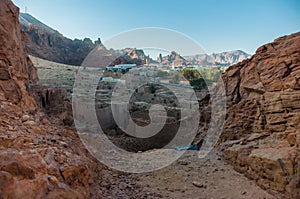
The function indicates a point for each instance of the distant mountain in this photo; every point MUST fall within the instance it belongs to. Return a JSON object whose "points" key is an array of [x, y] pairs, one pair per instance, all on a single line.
{"points": [[132, 55], [49, 44], [173, 59], [215, 59], [101, 57], [218, 59], [46, 43]]}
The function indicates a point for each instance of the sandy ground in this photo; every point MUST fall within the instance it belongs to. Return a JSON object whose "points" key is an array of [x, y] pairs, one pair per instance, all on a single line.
{"points": [[191, 177]]}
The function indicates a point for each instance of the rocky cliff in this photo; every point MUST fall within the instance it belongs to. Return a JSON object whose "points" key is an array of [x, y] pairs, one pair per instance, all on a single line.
{"points": [[47, 43], [263, 116], [16, 69], [40, 158]]}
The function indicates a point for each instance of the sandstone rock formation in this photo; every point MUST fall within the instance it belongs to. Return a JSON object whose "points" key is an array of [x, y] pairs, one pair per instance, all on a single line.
{"points": [[54, 102], [130, 56], [101, 57], [159, 58], [173, 59], [37, 158], [16, 69], [47, 43], [218, 59], [263, 98]]}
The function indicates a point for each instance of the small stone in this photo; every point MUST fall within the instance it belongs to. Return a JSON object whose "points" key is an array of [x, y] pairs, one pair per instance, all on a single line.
{"points": [[182, 162], [53, 180], [25, 118], [198, 184], [30, 123], [122, 186], [12, 128]]}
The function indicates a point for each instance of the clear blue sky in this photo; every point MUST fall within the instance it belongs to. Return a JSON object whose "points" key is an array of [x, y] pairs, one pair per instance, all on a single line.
{"points": [[218, 25]]}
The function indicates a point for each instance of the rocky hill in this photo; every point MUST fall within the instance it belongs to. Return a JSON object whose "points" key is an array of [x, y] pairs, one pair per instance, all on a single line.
{"points": [[262, 125], [218, 59], [132, 55], [215, 59], [174, 59], [101, 57], [47, 43]]}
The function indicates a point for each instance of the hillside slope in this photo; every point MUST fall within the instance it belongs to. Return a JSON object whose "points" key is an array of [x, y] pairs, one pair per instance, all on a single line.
{"points": [[47, 43]]}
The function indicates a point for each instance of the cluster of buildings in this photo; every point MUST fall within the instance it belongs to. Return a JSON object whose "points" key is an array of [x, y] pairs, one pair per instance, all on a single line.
{"points": [[120, 67]]}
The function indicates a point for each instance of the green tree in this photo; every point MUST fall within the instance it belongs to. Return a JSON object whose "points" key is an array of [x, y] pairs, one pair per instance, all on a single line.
{"points": [[191, 74], [199, 84]]}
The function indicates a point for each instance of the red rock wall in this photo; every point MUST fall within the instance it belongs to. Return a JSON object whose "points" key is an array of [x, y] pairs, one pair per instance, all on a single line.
{"points": [[263, 98], [16, 69], [38, 157]]}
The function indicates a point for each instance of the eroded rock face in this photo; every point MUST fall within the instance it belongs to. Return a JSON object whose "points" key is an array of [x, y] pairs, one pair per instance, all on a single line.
{"points": [[40, 158], [54, 102], [37, 155], [263, 98], [16, 69], [46, 43]]}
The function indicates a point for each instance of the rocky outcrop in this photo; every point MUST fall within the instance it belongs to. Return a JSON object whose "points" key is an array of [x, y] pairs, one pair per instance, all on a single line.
{"points": [[16, 69], [218, 59], [159, 58], [130, 56], [54, 102], [263, 98], [39, 158], [173, 59], [47, 43], [101, 57]]}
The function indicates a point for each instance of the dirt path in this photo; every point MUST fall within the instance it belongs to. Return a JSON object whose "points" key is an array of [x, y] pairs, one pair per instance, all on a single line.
{"points": [[191, 177]]}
